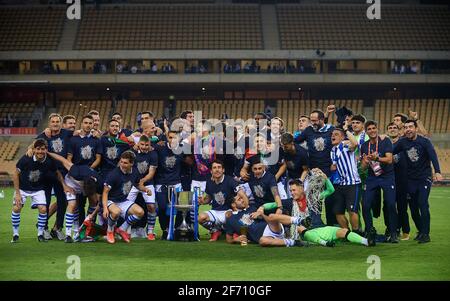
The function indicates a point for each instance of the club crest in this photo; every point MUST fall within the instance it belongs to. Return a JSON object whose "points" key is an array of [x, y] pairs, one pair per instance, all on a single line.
{"points": [[34, 176], [57, 145], [319, 144], [413, 154], [126, 188], [259, 191], [246, 220], [170, 162], [219, 198], [112, 152], [86, 152], [142, 167]]}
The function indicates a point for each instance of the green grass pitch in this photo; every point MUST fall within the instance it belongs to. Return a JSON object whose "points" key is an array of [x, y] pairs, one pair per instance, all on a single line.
{"points": [[163, 260]]}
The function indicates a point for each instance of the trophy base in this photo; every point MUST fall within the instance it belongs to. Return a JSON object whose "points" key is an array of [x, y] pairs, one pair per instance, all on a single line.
{"points": [[183, 235]]}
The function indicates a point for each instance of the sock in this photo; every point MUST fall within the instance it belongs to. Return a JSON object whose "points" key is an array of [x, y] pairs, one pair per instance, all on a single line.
{"points": [[131, 219], [76, 222], [289, 242], [354, 238], [15, 220], [42, 220], [111, 224], [208, 225], [69, 223], [151, 221], [296, 220]]}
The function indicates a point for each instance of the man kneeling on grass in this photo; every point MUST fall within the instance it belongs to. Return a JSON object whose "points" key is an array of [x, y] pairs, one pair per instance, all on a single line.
{"points": [[247, 224]]}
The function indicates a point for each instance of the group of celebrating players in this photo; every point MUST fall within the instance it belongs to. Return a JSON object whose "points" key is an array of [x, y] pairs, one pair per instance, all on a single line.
{"points": [[255, 175]]}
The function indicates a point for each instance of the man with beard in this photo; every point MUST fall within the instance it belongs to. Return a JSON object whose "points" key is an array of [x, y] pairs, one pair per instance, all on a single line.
{"points": [[318, 140], [420, 154]]}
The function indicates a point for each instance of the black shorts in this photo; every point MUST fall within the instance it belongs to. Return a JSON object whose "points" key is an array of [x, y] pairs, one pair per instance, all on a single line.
{"points": [[346, 197]]}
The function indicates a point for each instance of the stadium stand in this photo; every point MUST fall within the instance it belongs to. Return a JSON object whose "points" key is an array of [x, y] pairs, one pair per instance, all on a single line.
{"points": [[444, 161], [432, 112], [129, 109], [290, 110], [8, 150], [13, 111], [31, 28], [346, 27], [236, 109], [171, 27], [79, 108]]}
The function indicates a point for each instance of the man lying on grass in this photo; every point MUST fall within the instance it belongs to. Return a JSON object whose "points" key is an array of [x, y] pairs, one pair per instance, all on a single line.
{"points": [[247, 224]]}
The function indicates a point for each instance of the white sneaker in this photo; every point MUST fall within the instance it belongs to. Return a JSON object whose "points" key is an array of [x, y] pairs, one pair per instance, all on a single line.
{"points": [[60, 235], [47, 235]]}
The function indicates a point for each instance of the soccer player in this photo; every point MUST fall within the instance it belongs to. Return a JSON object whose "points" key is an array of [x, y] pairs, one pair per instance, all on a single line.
{"points": [[29, 182], [58, 142], [263, 186], [346, 195], [168, 174], [85, 149], [295, 157], [146, 164], [420, 154], [377, 157], [318, 140], [79, 180], [112, 148], [401, 184], [220, 192], [118, 185], [117, 116], [271, 158], [303, 123], [69, 123], [245, 225], [96, 130], [328, 236]]}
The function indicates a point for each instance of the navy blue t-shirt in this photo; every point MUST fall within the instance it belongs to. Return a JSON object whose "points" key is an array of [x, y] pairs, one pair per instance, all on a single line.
{"points": [[121, 184], [295, 162], [111, 152], [242, 219], [143, 162], [32, 172], [262, 189], [319, 147], [418, 154], [384, 146], [169, 166], [400, 165], [84, 149], [126, 132], [221, 194], [58, 144], [80, 172], [271, 160]]}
